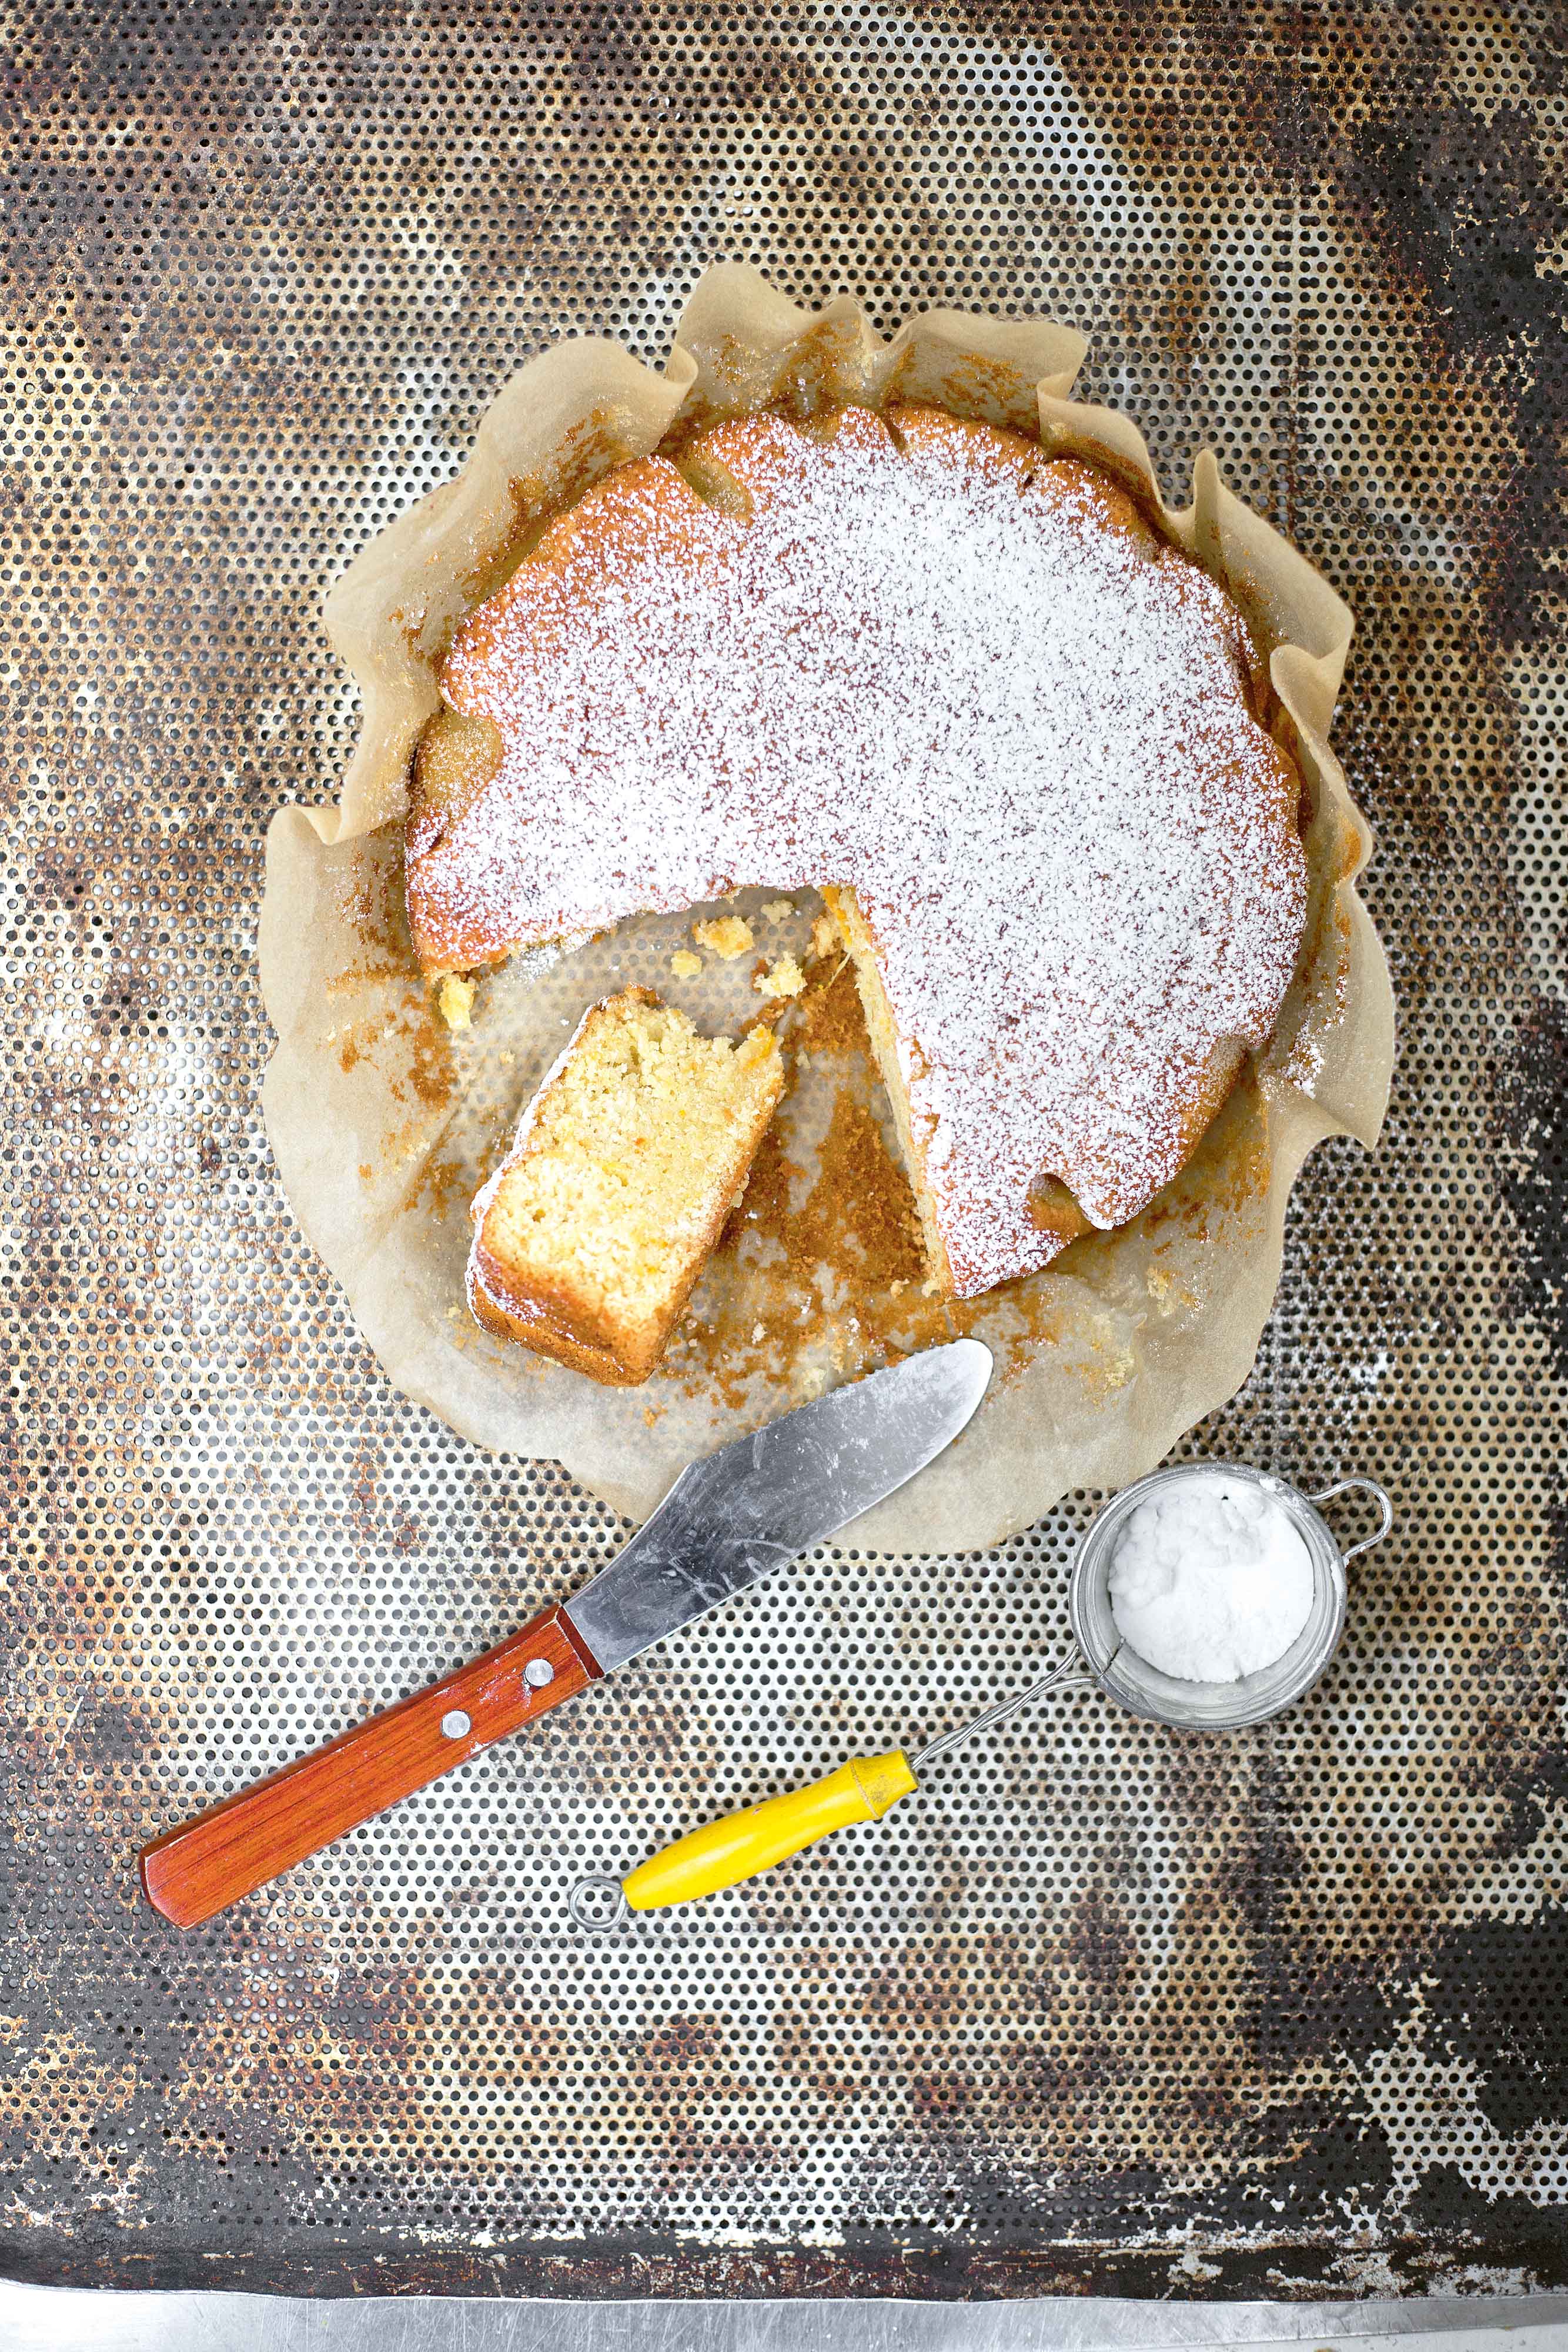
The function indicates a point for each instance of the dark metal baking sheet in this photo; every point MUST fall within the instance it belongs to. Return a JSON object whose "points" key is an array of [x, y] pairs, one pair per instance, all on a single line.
{"points": [[1113, 2012]]}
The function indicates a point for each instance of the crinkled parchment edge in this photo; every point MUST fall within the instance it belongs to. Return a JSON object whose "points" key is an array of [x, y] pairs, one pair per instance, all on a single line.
{"points": [[565, 418]]}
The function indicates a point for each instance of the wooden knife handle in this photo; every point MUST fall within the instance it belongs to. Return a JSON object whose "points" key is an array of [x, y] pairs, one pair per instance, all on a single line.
{"points": [[192, 1871]]}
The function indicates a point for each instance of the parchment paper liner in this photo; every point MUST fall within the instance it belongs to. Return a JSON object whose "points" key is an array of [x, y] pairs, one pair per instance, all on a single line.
{"points": [[383, 1122]]}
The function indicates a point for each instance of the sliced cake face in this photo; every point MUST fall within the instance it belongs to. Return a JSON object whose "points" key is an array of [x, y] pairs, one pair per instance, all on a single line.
{"points": [[589, 1235], [974, 691]]}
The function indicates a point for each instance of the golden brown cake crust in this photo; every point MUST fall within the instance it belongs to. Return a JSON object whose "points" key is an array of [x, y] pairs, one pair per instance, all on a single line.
{"points": [[547, 1336], [970, 688]]}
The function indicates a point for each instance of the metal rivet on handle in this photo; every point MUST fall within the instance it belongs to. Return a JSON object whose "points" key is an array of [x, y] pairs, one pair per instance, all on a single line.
{"points": [[456, 1726], [538, 1672]]}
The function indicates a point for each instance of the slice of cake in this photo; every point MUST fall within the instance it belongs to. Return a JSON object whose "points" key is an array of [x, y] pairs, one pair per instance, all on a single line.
{"points": [[589, 1235]]}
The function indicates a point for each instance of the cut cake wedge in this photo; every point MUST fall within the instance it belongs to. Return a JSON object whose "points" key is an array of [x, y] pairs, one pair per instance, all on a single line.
{"points": [[589, 1237]]}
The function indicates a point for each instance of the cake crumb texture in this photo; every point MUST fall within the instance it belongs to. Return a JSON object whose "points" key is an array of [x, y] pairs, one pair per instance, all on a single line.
{"points": [[588, 1237], [726, 936], [783, 977], [454, 1001], [825, 937]]}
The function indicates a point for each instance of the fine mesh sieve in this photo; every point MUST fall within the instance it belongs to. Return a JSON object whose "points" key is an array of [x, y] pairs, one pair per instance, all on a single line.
{"points": [[1134, 1683]]}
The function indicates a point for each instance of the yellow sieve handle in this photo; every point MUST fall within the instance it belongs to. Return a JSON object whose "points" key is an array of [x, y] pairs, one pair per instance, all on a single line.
{"points": [[743, 1845]]}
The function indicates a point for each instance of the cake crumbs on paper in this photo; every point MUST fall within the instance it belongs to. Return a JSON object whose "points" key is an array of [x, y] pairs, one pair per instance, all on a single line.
{"points": [[783, 978], [1112, 1359], [1163, 1284], [758, 1333], [778, 910], [726, 936], [684, 965], [454, 1001], [824, 936]]}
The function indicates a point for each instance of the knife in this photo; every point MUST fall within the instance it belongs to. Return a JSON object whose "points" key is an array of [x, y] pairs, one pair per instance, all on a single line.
{"points": [[726, 1520]]}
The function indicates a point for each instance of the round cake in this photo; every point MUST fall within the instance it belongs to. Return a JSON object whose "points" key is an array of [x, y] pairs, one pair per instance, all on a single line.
{"points": [[1020, 739]]}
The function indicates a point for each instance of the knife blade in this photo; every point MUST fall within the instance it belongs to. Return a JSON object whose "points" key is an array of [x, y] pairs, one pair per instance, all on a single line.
{"points": [[764, 1500], [727, 1520]]}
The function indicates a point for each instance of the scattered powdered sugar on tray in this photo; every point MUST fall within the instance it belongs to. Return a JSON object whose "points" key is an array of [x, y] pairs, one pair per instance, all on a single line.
{"points": [[966, 681]]}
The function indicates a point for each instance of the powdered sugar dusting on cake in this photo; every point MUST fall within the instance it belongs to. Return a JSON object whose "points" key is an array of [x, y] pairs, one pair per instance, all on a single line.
{"points": [[965, 682]]}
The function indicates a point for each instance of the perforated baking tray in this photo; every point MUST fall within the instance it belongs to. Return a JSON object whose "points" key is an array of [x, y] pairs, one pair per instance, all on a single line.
{"points": [[1112, 2010]]}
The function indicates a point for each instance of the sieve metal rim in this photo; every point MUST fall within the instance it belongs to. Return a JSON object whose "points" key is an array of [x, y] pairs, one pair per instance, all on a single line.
{"points": [[1259, 1698]]}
